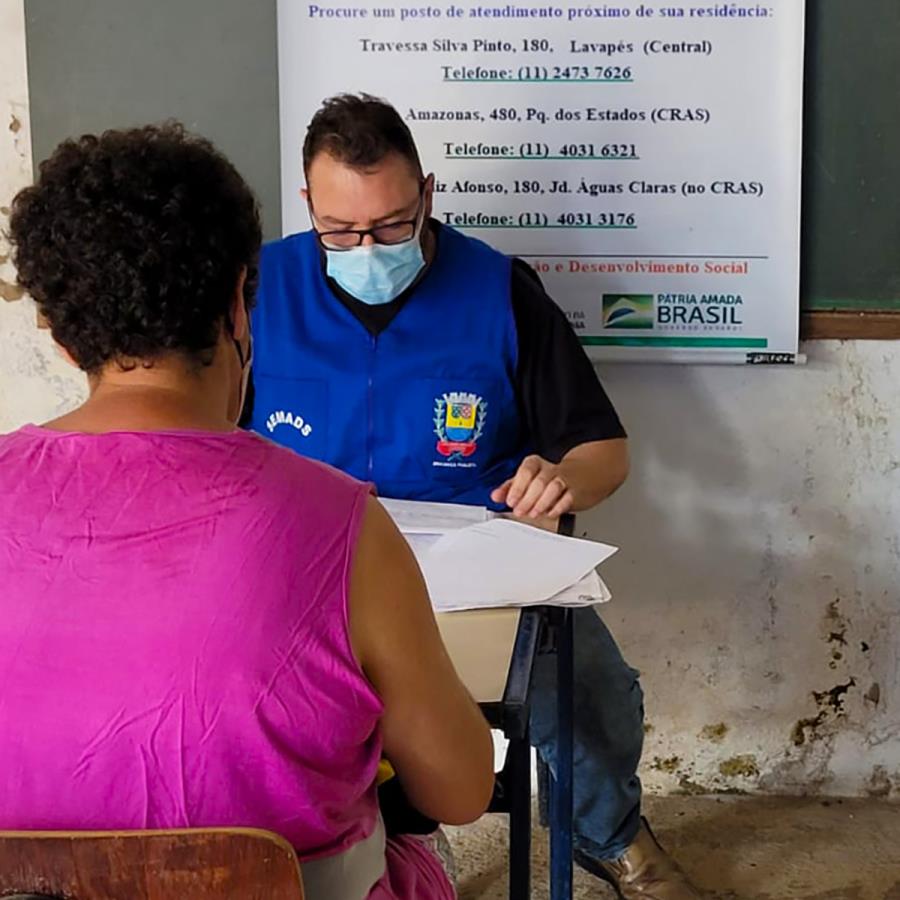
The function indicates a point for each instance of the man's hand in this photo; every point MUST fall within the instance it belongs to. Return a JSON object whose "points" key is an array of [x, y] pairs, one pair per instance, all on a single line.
{"points": [[539, 488], [586, 475]]}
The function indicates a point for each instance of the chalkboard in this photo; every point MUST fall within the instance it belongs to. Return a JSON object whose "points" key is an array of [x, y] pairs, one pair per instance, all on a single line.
{"points": [[96, 64], [851, 181], [212, 64]]}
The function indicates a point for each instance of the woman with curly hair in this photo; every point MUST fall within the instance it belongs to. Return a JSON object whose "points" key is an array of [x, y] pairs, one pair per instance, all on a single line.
{"points": [[192, 618]]}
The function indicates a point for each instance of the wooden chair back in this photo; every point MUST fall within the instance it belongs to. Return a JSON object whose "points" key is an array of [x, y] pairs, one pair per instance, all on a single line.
{"points": [[195, 864]]}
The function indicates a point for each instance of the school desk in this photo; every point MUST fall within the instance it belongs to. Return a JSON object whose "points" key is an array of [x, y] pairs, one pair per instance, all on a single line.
{"points": [[494, 651]]}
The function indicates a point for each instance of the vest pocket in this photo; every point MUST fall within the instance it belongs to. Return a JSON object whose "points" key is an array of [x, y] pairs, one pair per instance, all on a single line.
{"points": [[292, 412]]}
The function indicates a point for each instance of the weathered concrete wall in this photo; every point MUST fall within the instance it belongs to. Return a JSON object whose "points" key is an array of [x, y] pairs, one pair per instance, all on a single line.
{"points": [[35, 383], [759, 584]]}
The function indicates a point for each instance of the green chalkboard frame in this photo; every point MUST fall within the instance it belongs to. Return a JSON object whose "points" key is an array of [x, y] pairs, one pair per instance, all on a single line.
{"points": [[133, 66], [850, 257]]}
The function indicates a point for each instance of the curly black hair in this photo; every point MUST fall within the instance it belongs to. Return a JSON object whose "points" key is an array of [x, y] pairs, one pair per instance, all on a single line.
{"points": [[132, 242]]}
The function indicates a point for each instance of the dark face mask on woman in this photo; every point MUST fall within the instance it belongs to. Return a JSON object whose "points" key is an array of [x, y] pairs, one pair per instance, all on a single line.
{"points": [[245, 364]]}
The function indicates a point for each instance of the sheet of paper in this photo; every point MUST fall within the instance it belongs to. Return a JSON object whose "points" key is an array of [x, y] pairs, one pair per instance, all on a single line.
{"points": [[421, 544], [504, 563], [416, 517], [587, 592]]}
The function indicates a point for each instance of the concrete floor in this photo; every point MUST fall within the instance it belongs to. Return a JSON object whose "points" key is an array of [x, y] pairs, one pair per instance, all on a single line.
{"points": [[739, 847]]}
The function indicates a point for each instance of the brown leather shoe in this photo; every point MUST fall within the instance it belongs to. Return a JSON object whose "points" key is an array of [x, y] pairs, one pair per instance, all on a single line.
{"points": [[643, 872]]}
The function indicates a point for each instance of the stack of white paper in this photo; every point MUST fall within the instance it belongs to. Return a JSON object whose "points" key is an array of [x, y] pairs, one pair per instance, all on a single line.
{"points": [[417, 517], [472, 561]]}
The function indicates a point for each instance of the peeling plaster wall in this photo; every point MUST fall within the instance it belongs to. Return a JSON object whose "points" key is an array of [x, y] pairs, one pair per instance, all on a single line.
{"points": [[35, 383], [759, 584]]}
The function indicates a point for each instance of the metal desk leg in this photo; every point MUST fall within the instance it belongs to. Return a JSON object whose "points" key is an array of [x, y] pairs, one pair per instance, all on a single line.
{"points": [[512, 715], [561, 787], [519, 762]]}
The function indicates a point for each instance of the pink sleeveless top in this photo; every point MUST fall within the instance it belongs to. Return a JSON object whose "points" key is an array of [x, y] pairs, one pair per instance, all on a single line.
{"points": [[174, 646]]}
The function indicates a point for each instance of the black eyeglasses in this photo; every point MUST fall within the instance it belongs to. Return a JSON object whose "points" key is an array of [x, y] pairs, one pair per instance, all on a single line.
{"points": [[392, 233]]}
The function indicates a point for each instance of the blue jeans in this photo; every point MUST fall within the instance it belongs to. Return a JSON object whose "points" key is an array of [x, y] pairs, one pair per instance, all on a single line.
{"points": [[609, 737]]}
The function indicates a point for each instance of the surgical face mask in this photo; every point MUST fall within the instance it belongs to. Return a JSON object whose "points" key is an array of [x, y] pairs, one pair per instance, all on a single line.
{"points": [[378, 273]]}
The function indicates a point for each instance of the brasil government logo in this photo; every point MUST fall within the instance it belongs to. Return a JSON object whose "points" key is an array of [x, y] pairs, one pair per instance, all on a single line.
{"points": [[628, 310], [458, 423]]}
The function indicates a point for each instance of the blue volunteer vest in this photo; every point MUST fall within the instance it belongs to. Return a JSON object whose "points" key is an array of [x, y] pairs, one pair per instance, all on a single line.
{"points": [[427, 409]]}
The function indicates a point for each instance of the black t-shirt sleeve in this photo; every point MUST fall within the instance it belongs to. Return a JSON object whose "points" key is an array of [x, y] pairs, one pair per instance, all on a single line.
{"points": [[561, 400]]}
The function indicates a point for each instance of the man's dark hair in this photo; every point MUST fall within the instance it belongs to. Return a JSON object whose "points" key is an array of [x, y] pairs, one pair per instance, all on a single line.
{"points": [[132, 244], [359, 131]]}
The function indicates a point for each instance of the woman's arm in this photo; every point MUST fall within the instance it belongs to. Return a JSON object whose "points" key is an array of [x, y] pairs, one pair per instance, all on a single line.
{"points": [[434, 734]]}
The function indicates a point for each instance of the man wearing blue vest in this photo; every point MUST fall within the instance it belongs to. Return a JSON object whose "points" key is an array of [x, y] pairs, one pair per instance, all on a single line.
{"points": [[417, 358]]}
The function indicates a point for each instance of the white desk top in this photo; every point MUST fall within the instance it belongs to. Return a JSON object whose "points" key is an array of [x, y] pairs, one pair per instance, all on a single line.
{"points": [[480, 643]]}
